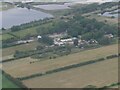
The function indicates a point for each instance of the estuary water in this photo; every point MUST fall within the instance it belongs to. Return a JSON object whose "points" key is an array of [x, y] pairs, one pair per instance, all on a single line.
{"points": [[17, 16]]}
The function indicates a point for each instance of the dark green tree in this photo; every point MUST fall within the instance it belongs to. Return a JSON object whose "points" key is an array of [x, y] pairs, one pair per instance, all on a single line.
{"points": [[46, 40]]}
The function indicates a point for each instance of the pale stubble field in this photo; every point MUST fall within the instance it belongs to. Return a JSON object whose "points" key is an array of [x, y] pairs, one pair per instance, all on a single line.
{"points": [[98, 74], [22, 67]]}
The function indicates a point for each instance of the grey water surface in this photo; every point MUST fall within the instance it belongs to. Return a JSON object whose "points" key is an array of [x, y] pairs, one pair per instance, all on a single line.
{"points": [[17, 16]]}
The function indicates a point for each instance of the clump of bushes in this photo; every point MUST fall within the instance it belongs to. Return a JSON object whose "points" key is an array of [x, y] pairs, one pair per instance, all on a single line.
{"points": [[112, 56]]}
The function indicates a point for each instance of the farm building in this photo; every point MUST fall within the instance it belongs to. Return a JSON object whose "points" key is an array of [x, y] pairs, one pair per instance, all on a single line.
{"points": [[59, 41]]}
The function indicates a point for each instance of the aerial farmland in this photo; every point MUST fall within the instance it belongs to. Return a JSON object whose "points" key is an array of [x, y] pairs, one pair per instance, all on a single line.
{"points": [[66, 44]]}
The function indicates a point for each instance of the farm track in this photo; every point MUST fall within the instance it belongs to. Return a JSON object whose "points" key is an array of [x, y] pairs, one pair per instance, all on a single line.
{"points": [[68, 67]]}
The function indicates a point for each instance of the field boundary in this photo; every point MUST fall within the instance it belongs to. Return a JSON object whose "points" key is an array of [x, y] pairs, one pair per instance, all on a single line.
{"points": [[28, 55], [68, 67]]}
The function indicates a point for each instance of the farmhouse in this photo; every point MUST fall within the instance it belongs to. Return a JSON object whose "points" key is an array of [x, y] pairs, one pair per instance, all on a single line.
{"points": [[24, 41], [82, 43], [27, 1], [58, 35], [109, 36], [39, 37], [58, 41], [93, 41]]}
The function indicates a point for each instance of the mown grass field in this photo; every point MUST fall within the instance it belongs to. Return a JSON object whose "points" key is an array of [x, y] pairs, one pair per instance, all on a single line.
{"points": [[98, 74], [22, 67]]}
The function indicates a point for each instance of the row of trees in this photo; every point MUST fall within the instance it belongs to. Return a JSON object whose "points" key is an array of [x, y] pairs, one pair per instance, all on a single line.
{"points": [[29, 25], [42, 52]]}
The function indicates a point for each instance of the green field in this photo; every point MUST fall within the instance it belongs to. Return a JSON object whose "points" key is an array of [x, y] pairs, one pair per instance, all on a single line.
{"points": [[5, 6], [6, 83], [9, 82], [25, 32], [5, 36], [24, 47]]}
